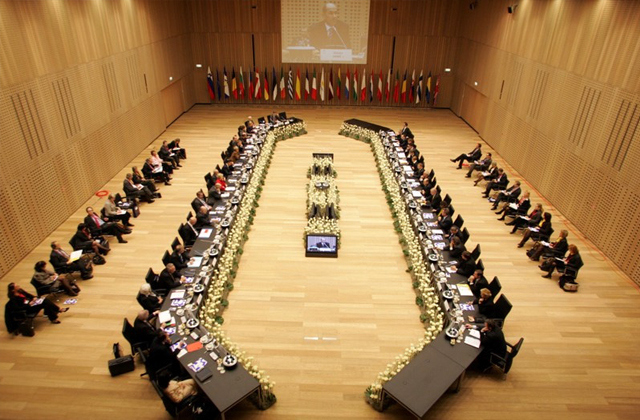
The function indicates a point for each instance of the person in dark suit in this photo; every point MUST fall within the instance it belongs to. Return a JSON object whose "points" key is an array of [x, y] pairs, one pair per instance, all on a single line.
{"points": [[500, 182], [573, 261], [477, 282], [227, 169], [98, 226], [475, 154], [454, 232], [149, 300], [82, 239], [215, 195], [179, 258], [492, 340], [486, 307], [456, 248], [330, 33], [488, 175], [200, 201], [521, 207], [175, 146], [139, 191], [540, 232], [168, 279], [480, 165], [188, 232], [143, 329], [466, 266], [203, 220], [59, 259], [161, 356], [22, 301], [556, 249], [139, 178], [444, 221], [274, 117], [510, 194], [406, 131], [168, 155], [152, 171], [533, 219]]}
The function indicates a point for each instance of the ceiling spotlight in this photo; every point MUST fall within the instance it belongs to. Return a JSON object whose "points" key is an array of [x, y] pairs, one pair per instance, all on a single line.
{"points": [[198, 66], [473, 4], [447, 70], [512, 9], [170, 78], [475, 83]]}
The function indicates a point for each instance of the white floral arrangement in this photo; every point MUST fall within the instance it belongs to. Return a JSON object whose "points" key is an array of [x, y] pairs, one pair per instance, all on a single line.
{"points": [[323, 198], [225, 272], [426, 296]]}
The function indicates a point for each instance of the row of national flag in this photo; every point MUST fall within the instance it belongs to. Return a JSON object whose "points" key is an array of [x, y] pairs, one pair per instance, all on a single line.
{"points": [[364, 87]]}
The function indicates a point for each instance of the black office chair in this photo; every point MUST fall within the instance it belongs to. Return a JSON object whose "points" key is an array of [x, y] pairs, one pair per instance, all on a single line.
{"points": [[137, 346], [495, 286], [480, 265], [175, 243], [431, 174], [451, 211], [46, 289], [465, 235], [189, 215], [180, 233], [151, 276], [502, 307], [19, 321], [176, 410], [437, 186], [447, 199], [475, 254], [166, 258], [459, 221], [505, 363]]}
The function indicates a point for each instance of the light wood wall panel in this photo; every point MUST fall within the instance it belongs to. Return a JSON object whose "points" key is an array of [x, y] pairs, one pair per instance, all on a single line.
{"points": [[80, 96], [558, 97]]}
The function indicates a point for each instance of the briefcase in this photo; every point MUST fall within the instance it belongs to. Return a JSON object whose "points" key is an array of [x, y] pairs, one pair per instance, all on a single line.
{"points": [[121, 365], [135, 210]]}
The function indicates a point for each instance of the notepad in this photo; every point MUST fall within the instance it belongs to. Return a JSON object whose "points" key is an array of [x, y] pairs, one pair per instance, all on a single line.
{"points": [[194, 262], [464, 290], [205, 233], [416, 194], [474, 333], [164, 317], [177, 294], [473, 342], [75, 255]]}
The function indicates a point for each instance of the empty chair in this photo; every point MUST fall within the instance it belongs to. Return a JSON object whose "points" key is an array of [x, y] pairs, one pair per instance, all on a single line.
{"points": [[465, 235], [459, 220], [504, 363], [495, 286], [475, 254], [175, 243], [447, 199], [480, 265], [166, 258], [502, 307]]}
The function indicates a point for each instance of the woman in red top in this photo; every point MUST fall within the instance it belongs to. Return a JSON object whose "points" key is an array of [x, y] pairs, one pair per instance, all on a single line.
{"points": [[20, 300], [220, 181]]}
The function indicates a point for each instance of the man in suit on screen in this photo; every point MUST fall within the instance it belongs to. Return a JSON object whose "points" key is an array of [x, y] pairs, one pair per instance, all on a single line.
{"points": [[330, 33]]}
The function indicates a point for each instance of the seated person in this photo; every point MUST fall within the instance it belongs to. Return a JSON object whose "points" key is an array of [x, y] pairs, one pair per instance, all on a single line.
{"points": [[479, 165], [215, 195], [21, 301], [235, 154], [475, 154], [508, 195], [115, 213], [486, 307], [138, 178], [556, 249], [221, 181], [456, 248], [98, 226], [189, 233], [466, 266], [200, 201], [167, 155], [533, 219], [136, 191], [179, 258], [540, 232], [161, 356], [59, 259], [158, 162], [274, 117], [573, 261], [521, 207], [49, 278], [149, 300], [444, 221], [227, 170], [143, 329], [453, 232], [83, 240], [155, 171], [176, 390], [203, 220], [174, 145], [500, 182], [488, 175], [492, 340], [434, 199], [477, 282], [169, 278]]}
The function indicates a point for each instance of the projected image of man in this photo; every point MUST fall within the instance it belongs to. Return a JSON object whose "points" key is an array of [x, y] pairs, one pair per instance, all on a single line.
{"points": [[330, 33]]}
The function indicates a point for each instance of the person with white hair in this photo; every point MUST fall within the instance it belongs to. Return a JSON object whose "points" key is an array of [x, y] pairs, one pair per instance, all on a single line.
{"points": [[149, 300]]}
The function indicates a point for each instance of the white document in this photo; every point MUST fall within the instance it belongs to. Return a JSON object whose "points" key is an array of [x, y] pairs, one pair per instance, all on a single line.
{"points": [[194, 262], [177, 294], [473, 342], [474, 333], [437, 232], [545, 243], [164, 317], [513, 206], [416, 194], [230, 189], [205, 233], [75, 255], [464, 290]]}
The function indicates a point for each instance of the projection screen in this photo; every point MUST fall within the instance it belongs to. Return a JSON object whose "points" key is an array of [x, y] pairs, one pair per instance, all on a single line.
{"points": [[320, 31]]}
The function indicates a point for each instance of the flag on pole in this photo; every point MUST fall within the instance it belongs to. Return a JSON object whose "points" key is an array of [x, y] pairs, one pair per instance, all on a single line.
{"points": [[379, 94], [371, 87], [331, 84], [404, 87], [226, 84], [413, 85], [355, 85], [419, 89], [346, 85], [314, 88], [339, 85], [363, 86], [234, 84], [212, 94], [396, 88], [322, 85], [258, 87], [428, 90], [306, 85], [241, 85], [388, 89], [298, 95], [290, 83], [266, 85], [283, 93], [218, 84], [251, 87], [436, 91], [274, 82]]}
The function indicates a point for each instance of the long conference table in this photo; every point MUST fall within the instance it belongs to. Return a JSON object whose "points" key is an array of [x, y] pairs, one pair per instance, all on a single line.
{"points": [[224, 388], [441, 365]]}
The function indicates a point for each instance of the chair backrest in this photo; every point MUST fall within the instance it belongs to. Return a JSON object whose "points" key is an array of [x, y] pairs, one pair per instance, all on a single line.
{"points": [[495, 286], [261, 120], [189, 215], [447, 199], [480, 265], [175, 243], [437, 186], [459, 220], [151, 276], [41, 289], [503, 306], [118, 198], [181, 233], [512, 355], [475, 254], [465, 235], [102, 213], [431, 174], [166, 258]]}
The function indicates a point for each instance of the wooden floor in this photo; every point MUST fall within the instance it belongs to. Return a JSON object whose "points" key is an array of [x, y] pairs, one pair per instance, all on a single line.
{"points": [[323, 328]]}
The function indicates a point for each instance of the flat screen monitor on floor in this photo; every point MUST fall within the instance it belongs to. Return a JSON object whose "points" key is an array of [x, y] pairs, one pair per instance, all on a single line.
{"points": [[322, 245]]}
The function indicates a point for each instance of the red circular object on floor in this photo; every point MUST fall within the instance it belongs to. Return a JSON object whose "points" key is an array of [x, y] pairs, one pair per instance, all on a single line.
{"points": [[102, 193]]}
